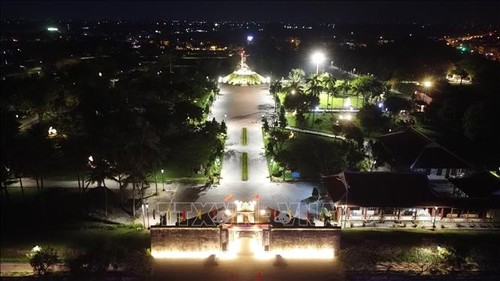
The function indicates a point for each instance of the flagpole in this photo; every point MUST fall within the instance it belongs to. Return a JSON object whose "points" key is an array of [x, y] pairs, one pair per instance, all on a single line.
{"points": [[346, 204], [344, 210]]}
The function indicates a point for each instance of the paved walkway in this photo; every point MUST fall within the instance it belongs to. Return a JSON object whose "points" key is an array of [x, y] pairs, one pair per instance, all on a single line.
{"points": [[239, 107]]}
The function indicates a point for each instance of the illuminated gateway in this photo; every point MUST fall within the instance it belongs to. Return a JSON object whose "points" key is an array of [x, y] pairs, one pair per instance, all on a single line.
{"points": [[239, 228], [244, 76]]}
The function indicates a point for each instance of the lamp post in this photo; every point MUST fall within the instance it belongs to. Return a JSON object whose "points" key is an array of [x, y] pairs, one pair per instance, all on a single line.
{"points": [[163, 179], [156, 183], [318, 58], [143, 216], [147, 212], [434, 219]]}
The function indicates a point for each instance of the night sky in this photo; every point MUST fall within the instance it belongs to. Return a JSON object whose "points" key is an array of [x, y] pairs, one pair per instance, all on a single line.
{"points": [[295, 11]]}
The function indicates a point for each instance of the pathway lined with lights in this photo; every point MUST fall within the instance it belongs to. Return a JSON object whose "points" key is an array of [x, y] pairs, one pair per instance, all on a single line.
{"points": [[243, 107]]}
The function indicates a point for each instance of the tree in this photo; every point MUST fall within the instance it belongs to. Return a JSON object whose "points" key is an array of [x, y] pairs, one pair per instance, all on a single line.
{"points": [[352, 132], [395, 104], [275, 87], [369, 87], [296, 75], [329, 84], [277, 139], [282, 118], [43, 260], [476, 121], [371, 117], [314, 84], [9, 147], [344, 87]]}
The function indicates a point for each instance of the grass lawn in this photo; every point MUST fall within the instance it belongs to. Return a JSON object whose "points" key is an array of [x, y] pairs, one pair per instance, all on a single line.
{"points": [[338, 103], [64, 227], [244, 137], [408, 250], [415, 237], [244, 166], [310, 154]]}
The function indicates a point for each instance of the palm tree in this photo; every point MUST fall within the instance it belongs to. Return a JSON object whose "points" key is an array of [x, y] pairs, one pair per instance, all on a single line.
{"points": [[315, 85], [296, 75], [275, 87], [142, 156], [101, 169], [293, 87], [329, 82], [369, 87], [344, 88]]}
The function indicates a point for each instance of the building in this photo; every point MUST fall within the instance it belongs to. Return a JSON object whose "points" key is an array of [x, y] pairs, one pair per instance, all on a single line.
{"points": [[408, 200]]}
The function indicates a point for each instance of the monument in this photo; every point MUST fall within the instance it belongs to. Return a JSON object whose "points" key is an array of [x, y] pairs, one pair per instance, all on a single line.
{"points": [[244, 76]]}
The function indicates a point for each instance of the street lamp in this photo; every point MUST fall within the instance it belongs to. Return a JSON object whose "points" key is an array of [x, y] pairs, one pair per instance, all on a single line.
{"points": [[434, 219], [143, 216], [318, 58], [163, 179], [427, 84], [147, 212]]}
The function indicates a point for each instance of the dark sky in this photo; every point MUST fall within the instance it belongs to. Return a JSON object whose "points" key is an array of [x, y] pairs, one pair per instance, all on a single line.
{"points": [[295, 11]]}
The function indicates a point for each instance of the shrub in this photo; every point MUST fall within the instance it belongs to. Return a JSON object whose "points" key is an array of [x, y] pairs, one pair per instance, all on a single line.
{"points": [[42, 260]]}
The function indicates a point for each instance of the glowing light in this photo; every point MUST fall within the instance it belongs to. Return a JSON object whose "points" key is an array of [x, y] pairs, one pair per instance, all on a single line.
{"points": [[345, 117], [242, 206], [347, 102], [52, 132], [52, 29], [250, 247], [427, 84], [191, 254], [36, 249], [249, 38], [318, 57], [308, 253]]}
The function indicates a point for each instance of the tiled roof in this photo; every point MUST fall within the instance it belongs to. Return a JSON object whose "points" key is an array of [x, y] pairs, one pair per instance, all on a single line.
{"points": [[405, 146], [479, 185], [435, 156], [381, 189], [414, 150]]}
